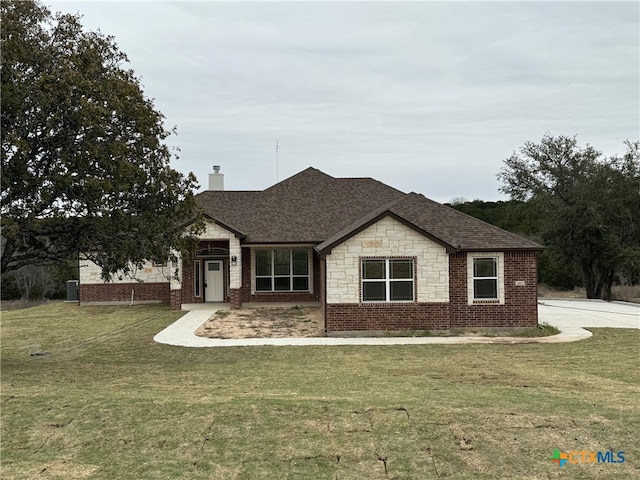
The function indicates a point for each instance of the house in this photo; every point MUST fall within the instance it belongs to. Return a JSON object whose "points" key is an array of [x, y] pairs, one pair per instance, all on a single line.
{"points": [[375, 258]]}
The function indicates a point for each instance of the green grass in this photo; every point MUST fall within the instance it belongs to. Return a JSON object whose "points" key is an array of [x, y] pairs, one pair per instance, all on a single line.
{"points": [[109, 403]]}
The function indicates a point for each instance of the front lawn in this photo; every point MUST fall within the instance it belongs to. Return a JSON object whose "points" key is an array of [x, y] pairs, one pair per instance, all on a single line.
{"points": [[106, 402]]}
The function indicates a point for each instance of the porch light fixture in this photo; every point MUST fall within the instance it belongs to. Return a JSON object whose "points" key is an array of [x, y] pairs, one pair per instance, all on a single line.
{"points": [[234, 261]]}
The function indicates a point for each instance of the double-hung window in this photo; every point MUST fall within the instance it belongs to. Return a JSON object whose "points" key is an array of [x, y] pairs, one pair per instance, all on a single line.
{"points": [[485, 278], [282, 270], [387, 280]]}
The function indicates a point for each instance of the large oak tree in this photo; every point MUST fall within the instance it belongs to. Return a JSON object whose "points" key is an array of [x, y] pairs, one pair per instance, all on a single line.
{"points": [[588, 206], [85, 166]]}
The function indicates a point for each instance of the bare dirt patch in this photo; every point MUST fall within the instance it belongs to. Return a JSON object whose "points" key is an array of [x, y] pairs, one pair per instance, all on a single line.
{"points": [[268, 322]]}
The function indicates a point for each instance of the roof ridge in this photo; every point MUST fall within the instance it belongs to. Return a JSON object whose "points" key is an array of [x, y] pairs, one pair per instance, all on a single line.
{"points": [[288, 180], [228, 191]]}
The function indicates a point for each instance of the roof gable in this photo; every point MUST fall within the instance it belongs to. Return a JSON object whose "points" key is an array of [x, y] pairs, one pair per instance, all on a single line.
{"points": [[341, 237]]}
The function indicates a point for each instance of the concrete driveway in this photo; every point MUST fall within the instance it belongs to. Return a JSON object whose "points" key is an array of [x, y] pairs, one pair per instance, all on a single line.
{"points": [[568, 315], [588, 313]]}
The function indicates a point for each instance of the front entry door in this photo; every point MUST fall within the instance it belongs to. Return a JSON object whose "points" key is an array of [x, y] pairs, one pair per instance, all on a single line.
{"points": [[213, 281]]}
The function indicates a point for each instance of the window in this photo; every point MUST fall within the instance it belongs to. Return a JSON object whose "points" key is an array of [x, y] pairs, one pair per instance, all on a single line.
{"points": [[196, 278], [282, 270], [387, 280], [485, 278]]}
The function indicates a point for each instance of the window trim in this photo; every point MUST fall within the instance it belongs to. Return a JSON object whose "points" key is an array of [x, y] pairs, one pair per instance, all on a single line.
{"points": [[291, 276], [498, 257], [388, 280]]}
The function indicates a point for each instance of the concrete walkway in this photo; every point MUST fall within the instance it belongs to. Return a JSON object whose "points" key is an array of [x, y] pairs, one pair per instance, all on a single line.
{"points": [[570, 316]]}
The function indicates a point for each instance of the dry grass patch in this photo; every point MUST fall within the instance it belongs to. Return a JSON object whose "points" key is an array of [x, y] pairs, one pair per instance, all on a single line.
{"points": [[276, 322], [8, 305], [546, 291], [626, 293], [621, 293]]}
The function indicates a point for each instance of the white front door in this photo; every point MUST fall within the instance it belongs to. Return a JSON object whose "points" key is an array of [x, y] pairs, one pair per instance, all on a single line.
{"points": [[213, 281]]}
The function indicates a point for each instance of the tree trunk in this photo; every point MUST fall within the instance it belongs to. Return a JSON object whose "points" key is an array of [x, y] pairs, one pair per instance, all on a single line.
{"points": [[607, 283], [598, 281], [591, 283]]}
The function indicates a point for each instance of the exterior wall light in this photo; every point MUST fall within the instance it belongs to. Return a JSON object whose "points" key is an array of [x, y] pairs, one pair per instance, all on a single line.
{"points": [[234, 261]]}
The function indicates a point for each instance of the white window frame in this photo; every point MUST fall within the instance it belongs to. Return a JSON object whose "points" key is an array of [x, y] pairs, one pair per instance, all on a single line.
{"points": [[498, 257], [388, 280], [291, 276]]}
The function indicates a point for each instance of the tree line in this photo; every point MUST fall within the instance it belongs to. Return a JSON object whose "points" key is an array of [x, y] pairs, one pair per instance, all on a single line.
{"points": [[583, 207]]}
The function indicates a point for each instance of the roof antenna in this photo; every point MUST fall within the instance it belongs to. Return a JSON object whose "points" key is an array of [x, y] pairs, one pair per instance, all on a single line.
{"points": [[277, 175]]}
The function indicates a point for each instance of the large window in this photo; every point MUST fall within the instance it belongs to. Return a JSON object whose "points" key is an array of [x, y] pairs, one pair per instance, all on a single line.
{"points": [[387, 280], [282, 270], [485, 278]]}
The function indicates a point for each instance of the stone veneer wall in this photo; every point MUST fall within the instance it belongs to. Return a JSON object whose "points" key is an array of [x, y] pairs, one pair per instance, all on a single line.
{"points": [[90, 273], [387, 238]]}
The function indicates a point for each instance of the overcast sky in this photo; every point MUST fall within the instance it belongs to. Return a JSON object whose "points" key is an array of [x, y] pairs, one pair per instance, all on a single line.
{"points": [[428, 97]]}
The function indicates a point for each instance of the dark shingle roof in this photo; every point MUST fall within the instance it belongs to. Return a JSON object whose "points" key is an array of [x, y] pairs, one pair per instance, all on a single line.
{"points": [[313, 207], [452, 229]]}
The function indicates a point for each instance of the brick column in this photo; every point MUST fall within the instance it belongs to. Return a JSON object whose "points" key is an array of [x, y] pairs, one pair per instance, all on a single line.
{"points": [[235, 298], [176, 299]]}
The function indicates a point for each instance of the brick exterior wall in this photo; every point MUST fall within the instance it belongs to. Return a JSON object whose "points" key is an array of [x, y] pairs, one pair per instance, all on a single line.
{"points": [[121, 292], [188, 294], [520, 308], [245, 289], [521, 302], [247, 296], [285, 297], [387, 316]]}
